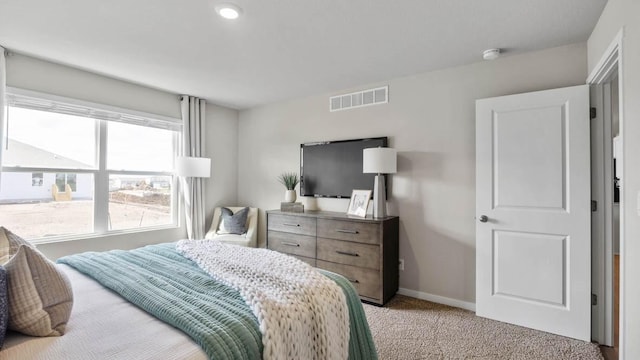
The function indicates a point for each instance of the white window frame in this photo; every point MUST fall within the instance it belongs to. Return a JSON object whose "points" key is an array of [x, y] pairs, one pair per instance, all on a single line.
{"points": [[102, 113]]}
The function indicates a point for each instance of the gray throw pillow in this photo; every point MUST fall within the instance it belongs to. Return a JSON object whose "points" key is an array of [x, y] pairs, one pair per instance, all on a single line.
{"points": [[231, 223]]}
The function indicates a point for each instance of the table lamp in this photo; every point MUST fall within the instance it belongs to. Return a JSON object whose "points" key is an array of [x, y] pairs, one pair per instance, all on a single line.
{"points": [[194, 167], [379, 161]]}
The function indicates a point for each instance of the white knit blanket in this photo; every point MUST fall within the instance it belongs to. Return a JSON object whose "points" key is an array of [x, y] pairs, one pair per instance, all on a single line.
{"points": [[301, 313]]}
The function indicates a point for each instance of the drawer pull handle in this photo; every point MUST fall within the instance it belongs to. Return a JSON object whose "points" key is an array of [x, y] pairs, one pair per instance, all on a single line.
{"points": [[347, 231], [347, 253], [290, 244], [295, 225], [355, 281]]}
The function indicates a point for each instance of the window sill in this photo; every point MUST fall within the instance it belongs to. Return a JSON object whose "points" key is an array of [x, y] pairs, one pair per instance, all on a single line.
{"points": [[80, 237]]}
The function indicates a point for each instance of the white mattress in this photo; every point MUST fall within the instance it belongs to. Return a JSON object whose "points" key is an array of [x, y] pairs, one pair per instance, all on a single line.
{"points": [[103, 325]]}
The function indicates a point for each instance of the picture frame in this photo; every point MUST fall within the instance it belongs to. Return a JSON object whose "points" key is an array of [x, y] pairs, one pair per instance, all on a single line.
{"points": [[359, 203]]}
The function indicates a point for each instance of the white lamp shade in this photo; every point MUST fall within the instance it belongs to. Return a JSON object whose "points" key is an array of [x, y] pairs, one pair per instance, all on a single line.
{"points": [[196, 167], [379, 160]]}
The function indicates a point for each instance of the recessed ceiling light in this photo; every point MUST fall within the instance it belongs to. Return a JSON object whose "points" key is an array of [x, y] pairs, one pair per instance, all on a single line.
{"points": [[228, 11], [491, 54]]}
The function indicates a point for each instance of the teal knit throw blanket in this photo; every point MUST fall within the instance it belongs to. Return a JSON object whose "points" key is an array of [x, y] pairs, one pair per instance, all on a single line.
{"points": [[175, 290]]}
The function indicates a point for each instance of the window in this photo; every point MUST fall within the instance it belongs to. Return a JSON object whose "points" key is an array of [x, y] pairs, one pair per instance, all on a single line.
{"points": [[36, 179], [72, 168], [62, 180]]}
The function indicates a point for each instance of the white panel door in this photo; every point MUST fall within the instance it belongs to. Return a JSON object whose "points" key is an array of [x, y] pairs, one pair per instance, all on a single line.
{"points": [[533, 229]]}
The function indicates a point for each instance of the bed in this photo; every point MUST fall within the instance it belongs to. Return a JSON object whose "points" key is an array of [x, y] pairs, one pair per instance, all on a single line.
{"points": [[108, 320]]}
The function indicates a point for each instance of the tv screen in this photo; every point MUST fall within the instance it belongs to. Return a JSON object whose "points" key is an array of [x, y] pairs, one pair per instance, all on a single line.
{"points": [[334, 168]]}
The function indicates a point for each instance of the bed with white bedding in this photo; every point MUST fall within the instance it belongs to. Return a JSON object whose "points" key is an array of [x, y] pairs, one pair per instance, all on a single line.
{"points": [[188, 312], [103, 325]]}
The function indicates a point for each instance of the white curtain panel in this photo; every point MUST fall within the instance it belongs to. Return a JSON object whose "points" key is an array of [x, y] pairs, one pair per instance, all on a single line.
{"points": [[3, 97], [193, 117]]}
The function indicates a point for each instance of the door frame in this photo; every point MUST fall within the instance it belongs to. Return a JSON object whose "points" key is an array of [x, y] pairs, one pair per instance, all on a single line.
{"points": [[606, 69]]}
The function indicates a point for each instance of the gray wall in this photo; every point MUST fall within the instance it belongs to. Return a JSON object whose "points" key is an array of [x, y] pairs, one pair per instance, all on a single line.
{"points": [[616, 15], [221, 128], [222, 147], [39, 75], [430, 120]]}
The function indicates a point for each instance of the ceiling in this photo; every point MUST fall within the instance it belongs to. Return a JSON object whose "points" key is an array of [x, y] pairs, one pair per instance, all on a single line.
{"points": [[283, 49]]}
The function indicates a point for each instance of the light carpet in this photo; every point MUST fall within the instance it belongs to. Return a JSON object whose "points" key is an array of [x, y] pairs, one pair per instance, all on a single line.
{"points": [[408, 328]]}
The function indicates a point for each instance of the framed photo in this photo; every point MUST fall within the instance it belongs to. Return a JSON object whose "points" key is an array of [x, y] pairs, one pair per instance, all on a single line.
{"points": [[359, 203]]}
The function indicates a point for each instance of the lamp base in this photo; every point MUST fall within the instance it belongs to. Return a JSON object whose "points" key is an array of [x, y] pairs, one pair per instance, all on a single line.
{"points": [[379, 198]]}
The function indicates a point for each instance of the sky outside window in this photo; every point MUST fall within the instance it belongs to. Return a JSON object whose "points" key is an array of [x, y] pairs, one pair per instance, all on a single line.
{"points": [[139, 148], [129, 147], [71, 137]]}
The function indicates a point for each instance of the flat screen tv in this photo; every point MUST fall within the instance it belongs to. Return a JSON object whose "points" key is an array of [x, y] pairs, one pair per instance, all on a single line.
{"points": [[334, 168]]}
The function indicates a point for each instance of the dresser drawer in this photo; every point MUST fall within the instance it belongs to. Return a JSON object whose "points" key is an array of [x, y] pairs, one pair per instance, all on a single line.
{"points": [[309, 261], [300, 245], [292, 224], [366, 281], [349, 231], [349, 253]]}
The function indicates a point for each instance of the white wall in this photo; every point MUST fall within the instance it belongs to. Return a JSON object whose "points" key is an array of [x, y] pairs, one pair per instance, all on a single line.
{"points": [[430, 120], [618, 14], [43, 76]]}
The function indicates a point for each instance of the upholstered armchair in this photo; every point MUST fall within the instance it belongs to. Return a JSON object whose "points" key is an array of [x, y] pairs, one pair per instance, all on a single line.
{"points": [[249, 238]]}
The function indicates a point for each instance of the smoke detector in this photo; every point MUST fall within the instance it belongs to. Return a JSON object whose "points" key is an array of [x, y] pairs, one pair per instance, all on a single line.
{"points": [[491, 54]]}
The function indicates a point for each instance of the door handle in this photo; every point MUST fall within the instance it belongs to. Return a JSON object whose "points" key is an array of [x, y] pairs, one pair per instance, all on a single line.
{"points": [[347, 231], [355, 281], [347, 253], [483, 218], [290, 244], [295, 225]]}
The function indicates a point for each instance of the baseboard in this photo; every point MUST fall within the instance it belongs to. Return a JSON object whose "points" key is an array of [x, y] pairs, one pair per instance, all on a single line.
{"points": [[438, 299]]}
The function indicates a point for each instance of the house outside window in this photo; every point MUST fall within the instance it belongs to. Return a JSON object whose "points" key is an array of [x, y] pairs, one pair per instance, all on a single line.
{"points": [[74, 168]]}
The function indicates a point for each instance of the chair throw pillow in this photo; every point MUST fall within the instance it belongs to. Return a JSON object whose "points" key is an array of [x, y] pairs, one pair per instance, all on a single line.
{"points": [[4, 305], [40, 296], [231, 223]]}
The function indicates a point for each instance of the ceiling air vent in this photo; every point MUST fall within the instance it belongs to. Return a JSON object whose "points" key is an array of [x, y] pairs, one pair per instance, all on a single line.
{"points": [[359, 99]]}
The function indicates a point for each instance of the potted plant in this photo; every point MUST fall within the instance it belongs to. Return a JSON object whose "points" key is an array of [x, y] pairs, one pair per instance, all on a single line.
{"points": [[289, 180]]}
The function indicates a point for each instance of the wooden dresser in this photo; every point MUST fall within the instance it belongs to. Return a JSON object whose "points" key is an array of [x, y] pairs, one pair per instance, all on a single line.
{"points": [[364, 250]]}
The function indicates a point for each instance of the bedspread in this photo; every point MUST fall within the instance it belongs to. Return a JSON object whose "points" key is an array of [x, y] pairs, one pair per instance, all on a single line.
{"points": [[302, 314], [174, 289]]}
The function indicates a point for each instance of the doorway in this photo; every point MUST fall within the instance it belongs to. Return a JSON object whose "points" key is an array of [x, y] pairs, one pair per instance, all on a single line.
{"points": [[607, 136], [617, 186]]}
